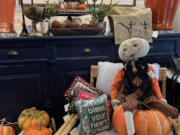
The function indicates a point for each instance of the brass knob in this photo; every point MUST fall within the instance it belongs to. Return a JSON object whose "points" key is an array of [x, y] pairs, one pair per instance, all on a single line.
{"points": [[13, 53], [87, 50], [151, 47]]}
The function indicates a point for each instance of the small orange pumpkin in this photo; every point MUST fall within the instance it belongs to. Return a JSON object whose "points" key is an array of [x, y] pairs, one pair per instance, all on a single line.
{"points": [[31, 117], [82, 6], [146, 122], [6, 130], [37, 130]]}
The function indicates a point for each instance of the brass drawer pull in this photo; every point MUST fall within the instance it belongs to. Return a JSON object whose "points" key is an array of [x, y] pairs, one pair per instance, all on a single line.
{"points": [[13, 53], [151, 47], [87, 50]]}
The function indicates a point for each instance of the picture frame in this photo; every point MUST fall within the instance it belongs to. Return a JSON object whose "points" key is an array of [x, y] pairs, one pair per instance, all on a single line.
{"points": [[124, 2], [38, 2], [127, 3]]}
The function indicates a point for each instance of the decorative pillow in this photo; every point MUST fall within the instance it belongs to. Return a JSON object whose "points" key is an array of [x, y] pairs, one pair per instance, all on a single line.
{"points": [[106, 74], [93, 115], [80, 83], [80, 93]]}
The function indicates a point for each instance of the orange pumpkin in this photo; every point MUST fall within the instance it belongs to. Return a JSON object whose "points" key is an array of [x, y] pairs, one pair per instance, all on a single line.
{"points": [[82, 6], [146, 122], [37, 130], [31, 117], [6, 130]]}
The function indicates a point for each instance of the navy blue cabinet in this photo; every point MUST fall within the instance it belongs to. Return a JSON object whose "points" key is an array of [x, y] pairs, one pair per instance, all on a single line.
{"points": [[23, 76], [163, 47], [37, 71], [22, 85]]}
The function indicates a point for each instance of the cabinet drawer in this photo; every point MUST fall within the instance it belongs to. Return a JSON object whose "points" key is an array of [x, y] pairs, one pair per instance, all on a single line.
{"points": [[160, 58], [17, 53], [85, 51], [162, 46]]}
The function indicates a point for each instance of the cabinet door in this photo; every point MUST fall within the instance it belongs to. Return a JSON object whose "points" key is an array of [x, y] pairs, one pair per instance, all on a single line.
{"points": [[22, 86], [65, 73], [74, 58]]}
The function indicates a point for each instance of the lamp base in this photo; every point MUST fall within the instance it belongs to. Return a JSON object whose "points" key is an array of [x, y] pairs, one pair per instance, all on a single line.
{"points": [[35, 34], [24, 31]]}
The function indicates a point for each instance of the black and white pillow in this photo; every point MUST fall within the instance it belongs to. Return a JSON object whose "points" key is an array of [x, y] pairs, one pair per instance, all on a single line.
{"points": [[80, 83]]}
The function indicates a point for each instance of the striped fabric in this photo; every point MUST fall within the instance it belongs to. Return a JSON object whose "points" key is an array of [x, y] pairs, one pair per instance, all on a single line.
{"points": [[131, 102], [161, 106]]}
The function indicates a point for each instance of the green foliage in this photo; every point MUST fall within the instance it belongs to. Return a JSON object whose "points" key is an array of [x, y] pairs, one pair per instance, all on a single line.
{"points": [[52, 9], [99, 14]]}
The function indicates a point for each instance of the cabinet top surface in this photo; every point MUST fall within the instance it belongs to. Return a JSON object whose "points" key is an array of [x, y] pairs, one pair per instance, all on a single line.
{"points": [[171, 35], [99, 38], [58, 38]]}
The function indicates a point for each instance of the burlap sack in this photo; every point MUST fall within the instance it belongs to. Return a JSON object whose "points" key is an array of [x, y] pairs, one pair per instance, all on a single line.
{"points": [[130, 22]]}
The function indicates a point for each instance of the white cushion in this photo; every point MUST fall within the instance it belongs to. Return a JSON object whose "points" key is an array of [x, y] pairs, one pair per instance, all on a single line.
{"points": [[107, 72], [156, 68]]}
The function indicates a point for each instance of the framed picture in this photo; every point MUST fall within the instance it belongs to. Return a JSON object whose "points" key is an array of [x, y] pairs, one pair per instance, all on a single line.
{"points": [[124, 2], [26, 2], [118, 2]]}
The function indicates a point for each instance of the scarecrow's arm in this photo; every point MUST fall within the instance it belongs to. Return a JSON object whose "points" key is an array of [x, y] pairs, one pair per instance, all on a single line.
{"points": [[154, 83], [118, 80]]}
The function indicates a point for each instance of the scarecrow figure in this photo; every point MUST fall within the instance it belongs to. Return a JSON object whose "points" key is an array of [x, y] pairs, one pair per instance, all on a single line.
{"points": [[140, 86]]}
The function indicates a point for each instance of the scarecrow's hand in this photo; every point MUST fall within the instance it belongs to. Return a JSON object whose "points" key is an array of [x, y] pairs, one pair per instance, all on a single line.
{"points": [[115, 103]]}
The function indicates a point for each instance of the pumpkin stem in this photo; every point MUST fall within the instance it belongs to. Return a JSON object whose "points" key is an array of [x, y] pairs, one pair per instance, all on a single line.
{"points": [[2, 121], [40, 123], [33, 111]]}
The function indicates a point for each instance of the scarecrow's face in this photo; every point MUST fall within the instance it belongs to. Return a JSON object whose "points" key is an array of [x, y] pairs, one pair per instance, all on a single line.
{"points": [[133, 49]]}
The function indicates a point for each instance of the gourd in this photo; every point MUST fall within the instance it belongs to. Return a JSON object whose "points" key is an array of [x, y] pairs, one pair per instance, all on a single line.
{"points": [[37, 130], [82, 6], [147, 122], [6, 130], [31, 117]]}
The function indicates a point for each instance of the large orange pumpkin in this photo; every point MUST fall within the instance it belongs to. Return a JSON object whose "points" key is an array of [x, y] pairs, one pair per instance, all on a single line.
{"points": [[146, 122], [31, 117], [37, 130], [6, 130]]}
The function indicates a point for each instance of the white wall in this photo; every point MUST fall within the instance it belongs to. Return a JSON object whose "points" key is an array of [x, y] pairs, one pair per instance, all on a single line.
{"points": [[140, 3], [177, 19]]}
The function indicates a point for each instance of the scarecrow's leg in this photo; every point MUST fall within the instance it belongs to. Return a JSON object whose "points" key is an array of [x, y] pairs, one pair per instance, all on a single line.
{"points": [[129, 122]]}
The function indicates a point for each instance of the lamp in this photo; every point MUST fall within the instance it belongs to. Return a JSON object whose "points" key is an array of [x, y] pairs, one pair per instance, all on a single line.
{"points": [[7, 8], [24, 31]]}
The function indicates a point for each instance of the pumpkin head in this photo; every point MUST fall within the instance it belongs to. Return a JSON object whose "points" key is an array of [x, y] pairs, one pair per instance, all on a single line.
{"points": [[146, 122], [6, 130], [37, 130], [31, 117], [82, 6], [133, 48]]}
